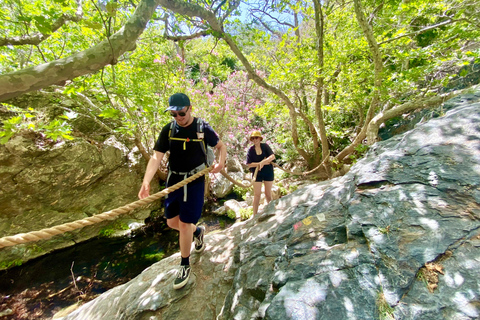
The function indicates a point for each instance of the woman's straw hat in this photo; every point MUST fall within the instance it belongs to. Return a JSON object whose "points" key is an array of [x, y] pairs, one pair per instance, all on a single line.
{"points": [[256, 133]]}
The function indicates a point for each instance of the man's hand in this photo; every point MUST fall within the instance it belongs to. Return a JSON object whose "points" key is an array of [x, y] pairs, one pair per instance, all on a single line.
{"points": [[144, 191], [217, 168]]}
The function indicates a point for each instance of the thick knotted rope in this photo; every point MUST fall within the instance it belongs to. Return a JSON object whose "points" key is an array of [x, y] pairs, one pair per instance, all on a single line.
{"points": [[291, 172], [225, 174], [109, 215]]}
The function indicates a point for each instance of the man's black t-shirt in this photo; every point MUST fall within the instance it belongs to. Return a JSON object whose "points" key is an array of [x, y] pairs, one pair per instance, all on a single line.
{"points": [[185, 155]]}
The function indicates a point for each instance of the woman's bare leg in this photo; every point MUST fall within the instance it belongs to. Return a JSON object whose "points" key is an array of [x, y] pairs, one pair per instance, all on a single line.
{"points": [[257, 193], [268, 190]]}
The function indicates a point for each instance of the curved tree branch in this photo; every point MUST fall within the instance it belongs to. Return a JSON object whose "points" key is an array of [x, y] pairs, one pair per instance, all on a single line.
{"points": [[373, 126], [438, 25], [189, 37], [275, 19], [81, 63]]}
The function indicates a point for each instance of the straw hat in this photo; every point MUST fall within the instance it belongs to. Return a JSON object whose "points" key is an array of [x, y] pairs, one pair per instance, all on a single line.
{"points": [[256, 133]]}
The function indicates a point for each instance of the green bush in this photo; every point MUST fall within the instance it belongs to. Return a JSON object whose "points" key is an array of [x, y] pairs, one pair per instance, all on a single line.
{"points": [[231, 214], [246, 213], [284, 190], [240, 192]]}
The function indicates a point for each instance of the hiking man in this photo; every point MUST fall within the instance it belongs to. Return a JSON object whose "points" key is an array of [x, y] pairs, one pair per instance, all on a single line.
{"points": [[187, 138]]}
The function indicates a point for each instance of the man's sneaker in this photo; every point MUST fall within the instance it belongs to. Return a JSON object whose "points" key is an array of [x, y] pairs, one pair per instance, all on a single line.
{"points": [[199, 243], [182, 277]]}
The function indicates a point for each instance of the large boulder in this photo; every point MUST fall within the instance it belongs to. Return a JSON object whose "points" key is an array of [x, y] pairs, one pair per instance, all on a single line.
{"points": [[44, 185], [396, 237], [221, 186]]}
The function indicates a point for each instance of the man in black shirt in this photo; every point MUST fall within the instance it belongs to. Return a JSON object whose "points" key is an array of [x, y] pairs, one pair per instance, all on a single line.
{"points": [[183, 207]]}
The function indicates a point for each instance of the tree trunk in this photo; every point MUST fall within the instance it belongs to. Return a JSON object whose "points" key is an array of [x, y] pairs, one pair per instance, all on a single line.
{"points": [[320, 84], [378, 67]]}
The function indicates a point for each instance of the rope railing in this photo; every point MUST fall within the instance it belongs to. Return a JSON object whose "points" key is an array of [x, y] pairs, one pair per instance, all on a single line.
{"points": [[246, 186], [290, 172], [225, 174], [108, 215], [48, 233]]}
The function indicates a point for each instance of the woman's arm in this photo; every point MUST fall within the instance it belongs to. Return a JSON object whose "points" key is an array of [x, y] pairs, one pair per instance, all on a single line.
{"points": [[269, 159], [266, 149]]}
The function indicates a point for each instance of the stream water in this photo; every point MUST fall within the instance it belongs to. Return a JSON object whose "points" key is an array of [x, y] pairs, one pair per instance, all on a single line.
{"points": [[43, 286]]}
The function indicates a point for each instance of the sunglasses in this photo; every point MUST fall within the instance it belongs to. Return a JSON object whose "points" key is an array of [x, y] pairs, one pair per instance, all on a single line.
{"points": [[253, 138], [180, 113]]}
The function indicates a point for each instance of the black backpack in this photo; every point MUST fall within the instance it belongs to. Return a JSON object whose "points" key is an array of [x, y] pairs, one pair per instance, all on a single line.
{"points": [[207, 151]]}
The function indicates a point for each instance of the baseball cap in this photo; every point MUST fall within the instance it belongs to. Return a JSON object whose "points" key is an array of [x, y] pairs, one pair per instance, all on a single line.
{"points": [[178, 101]]}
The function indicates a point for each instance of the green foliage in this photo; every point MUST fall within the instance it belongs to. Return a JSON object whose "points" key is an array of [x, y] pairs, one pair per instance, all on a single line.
{"points": [[57, 129], [246, 213], [130, 96], [231, 214], [221, 223], [9, 264], [286, 189], [282, 189], [23, 18], [110, 113], [155, 256], [10, 126], [33, 120], [240, 192], [108, 231], [361, 149], [36, 249]]}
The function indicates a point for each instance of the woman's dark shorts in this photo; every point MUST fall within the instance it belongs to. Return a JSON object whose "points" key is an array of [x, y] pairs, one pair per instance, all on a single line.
{"points": [[266, 174], [189, 211]]}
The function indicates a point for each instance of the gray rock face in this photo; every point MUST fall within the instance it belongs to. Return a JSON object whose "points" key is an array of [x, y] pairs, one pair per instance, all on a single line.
{"points": [[350, 248], [221, 186], [44, 186]]}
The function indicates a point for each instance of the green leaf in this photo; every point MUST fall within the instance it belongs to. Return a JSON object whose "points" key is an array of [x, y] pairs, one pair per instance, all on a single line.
{"points": [[112, 9], [14, 120], [110, 113], [42, 25], [93, 25]]}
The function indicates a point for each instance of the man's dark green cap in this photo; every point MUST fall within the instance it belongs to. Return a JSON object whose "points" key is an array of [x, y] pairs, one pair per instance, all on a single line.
{"points": [[178, 101]]}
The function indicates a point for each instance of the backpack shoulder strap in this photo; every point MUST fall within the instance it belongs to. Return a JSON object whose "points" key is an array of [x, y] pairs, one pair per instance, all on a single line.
{"points": [[200, 128], [200, 124], [171, 132]]}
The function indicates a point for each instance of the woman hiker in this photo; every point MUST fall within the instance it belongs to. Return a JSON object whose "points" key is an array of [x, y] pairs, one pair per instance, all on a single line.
{"points": [[260, 155]]}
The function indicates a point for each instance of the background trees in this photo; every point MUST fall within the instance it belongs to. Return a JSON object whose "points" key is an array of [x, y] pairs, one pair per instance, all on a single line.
{"points": [[319, 78]]}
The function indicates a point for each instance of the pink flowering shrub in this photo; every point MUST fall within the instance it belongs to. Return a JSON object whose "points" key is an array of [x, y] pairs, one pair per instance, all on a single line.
{"points": [[230, 109]]}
